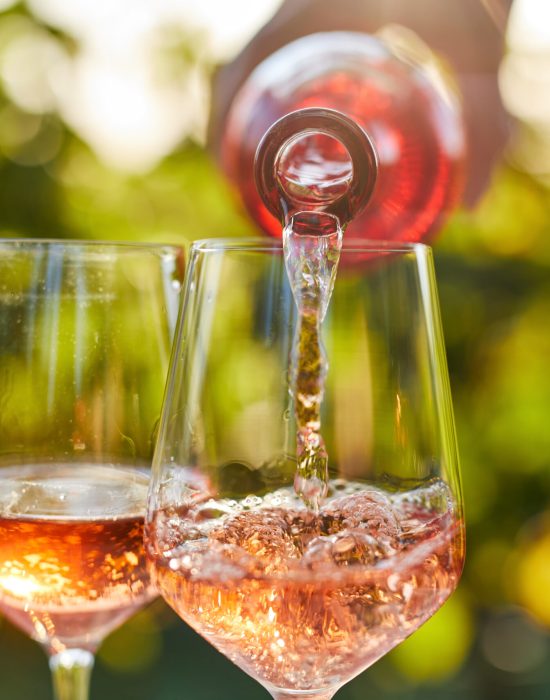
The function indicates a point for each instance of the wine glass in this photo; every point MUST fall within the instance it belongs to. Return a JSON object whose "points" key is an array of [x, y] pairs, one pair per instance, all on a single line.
{"points": [[85, 337], [301, 594]]}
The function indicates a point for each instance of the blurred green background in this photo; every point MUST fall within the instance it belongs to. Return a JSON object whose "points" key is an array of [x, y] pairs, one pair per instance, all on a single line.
{"points": [[103, 112]]}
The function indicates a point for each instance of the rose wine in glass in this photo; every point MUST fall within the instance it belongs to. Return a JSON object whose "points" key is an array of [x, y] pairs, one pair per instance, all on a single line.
{"points": [[305, 593], [298, 601], [72, 564], [85, 332]]}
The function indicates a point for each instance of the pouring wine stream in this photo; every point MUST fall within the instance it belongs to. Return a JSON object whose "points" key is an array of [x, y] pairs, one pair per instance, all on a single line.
{"points": [[329, 174], [304, 586]]}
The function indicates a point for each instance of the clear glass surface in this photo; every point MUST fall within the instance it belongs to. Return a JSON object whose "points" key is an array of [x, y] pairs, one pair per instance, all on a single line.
{"points": [[85, 338], [301, 598]]}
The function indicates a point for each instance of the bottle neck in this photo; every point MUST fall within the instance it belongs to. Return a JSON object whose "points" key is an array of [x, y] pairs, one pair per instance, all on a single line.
{"points": [[291, 179]]}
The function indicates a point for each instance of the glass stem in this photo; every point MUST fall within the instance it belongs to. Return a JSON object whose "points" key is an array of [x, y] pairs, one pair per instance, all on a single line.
{"points": [[71, 670]]}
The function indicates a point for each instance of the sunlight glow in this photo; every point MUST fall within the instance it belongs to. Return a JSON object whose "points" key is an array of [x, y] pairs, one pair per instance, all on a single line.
{"points": [[228, 25], [19, 586], [114, 95], [525, 86], [529, 26], [525, 72], [129, 120], [29, 65]]}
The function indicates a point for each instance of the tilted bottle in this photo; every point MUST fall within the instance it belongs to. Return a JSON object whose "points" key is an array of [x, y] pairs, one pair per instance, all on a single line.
{"points": [[395, 89]]}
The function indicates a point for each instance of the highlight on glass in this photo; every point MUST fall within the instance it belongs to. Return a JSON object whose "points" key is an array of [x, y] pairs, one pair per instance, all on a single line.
{"points": [[85, 338], [305, 510]]}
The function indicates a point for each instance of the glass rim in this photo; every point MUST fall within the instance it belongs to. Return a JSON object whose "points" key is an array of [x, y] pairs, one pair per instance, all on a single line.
{"points": [[263, 245], [92, 244]]}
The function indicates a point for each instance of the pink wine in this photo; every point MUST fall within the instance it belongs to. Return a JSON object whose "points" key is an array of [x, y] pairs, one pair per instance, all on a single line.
{"points": [[399, 95], [304, 601], [72, 563]]}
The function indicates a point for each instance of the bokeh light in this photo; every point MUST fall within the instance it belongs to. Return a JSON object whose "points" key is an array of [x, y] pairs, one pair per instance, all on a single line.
{"points": [[533, 569], [111, 91], [103, 113], [450, 632], [511, 642], [525, 82]]}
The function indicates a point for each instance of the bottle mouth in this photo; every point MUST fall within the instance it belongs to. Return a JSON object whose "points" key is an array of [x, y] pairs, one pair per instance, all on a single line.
{"points": [[317, 224], [291, 173], [313, 169]]}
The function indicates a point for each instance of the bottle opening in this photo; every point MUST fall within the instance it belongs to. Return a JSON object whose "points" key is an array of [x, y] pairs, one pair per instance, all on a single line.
{"points": [[314, 223], [317, 159], [314, 169]]}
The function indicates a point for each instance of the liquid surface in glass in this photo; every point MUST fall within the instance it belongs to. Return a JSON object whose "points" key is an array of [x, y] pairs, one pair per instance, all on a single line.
{"points": [[72, 562]]}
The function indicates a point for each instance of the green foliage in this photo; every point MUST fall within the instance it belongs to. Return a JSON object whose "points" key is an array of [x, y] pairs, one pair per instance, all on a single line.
{"points": [[494, 282]]}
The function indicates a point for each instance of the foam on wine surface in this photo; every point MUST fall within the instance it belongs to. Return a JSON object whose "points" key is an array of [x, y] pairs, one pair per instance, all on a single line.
{"points": [[303, 600]]}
